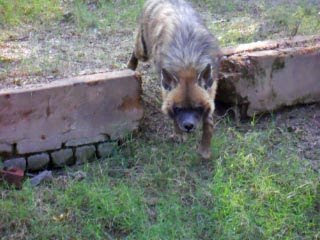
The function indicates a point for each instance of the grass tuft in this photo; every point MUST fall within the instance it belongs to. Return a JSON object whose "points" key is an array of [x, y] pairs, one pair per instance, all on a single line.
{"points": [[262, 196]]}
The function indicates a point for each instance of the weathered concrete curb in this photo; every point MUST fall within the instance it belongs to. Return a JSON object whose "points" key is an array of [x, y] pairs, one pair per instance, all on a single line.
{"points": [[44, 124], [266, 76]]}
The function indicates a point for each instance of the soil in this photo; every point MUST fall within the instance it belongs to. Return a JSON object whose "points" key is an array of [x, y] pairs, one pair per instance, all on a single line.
{"points": [[305, 122], [32, 56]]}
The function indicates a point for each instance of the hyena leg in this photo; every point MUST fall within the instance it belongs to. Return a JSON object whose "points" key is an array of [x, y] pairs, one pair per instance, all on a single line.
{"points": [[133, 62], [140, 52], [204, 148]]}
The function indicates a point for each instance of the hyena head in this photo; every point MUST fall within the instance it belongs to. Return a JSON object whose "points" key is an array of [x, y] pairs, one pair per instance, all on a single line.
{"points": [[188, 96]]}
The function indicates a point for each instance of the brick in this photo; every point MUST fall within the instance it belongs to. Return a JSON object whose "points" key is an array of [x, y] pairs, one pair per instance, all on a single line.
{"points": [[5, 148], [82, 110], [16, 162], [63, 157], [38, 161], [266, 80], [85, 141], [85, 154], [106, 149]]}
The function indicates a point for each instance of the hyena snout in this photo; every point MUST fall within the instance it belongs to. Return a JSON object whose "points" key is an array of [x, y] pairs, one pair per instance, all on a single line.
{"points": [[188, 121], [188, 126]]}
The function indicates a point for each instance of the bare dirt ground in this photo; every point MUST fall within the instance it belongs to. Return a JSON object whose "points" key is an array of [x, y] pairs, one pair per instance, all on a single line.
{"points": [[32, 55], [305, 121]]}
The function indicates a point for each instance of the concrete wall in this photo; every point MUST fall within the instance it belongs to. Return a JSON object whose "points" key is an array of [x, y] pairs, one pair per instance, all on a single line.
{"points": [[51, 124], [266, 76]]}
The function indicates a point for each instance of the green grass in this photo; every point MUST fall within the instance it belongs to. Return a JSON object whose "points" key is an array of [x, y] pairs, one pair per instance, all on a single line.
{"points": [[221, 7], [263, 191], [255, 187], [106, 14], [238, 30], [303, 19], [85, 14], [14, 12], [237, 21], [232, 21]]}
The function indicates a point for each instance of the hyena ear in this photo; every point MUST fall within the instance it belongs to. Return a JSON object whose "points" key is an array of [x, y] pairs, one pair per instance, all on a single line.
{"points": [[168, 80], [205, 78]]}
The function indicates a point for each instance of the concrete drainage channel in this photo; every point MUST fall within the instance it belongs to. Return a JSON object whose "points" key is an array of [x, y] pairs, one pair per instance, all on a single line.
{"points": [[80, 119]]}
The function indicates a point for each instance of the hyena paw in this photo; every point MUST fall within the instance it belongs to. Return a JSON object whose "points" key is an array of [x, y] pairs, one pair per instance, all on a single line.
{"points": [[179, 138], [205, 153], [131, 66]]}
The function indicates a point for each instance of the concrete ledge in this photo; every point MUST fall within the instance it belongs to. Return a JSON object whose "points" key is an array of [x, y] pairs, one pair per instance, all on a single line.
{"points": [[44, 125], [70, 112], [266, 76], [299, 41]]}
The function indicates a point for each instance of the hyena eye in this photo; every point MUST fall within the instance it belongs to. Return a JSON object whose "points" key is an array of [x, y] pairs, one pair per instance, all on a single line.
{"points": [[177, 110], [199, 109]]}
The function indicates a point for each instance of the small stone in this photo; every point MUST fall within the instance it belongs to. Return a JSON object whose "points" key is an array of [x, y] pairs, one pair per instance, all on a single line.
{"points": [[16, 162], [43, 176], [85, 154], [62, 157], [106, 149], [38, 161]]}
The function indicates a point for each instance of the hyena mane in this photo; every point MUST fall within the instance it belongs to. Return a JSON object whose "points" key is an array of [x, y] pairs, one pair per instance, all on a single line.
{"points": [[173, 34]]}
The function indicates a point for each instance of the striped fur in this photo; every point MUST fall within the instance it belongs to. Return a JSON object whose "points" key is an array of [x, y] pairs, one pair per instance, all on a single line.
{"points": [[173, 35]]}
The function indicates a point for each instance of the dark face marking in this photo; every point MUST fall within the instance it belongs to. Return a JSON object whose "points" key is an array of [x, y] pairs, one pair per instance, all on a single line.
{"points": [[187, 118], [168, 80], [205, 78]]}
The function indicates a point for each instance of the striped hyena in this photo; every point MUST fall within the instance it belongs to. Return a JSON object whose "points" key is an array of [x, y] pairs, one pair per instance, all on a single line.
{"points": [[185, 56]]}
